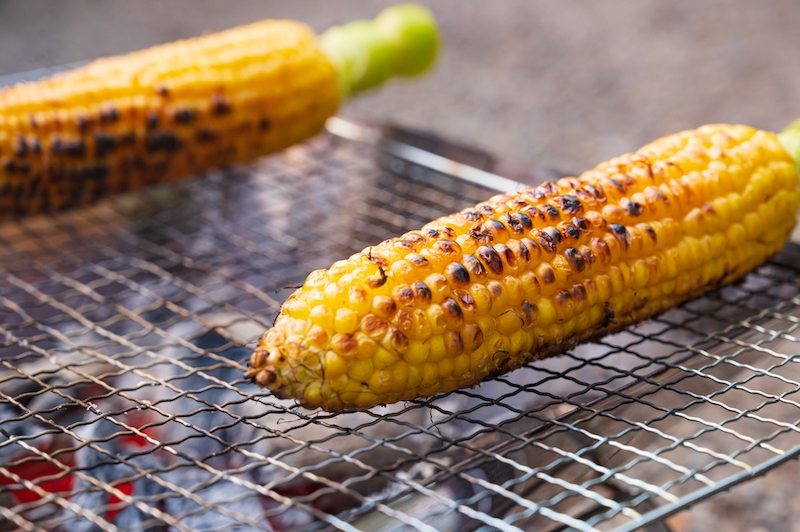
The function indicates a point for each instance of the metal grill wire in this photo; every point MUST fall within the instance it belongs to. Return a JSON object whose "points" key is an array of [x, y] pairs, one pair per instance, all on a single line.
{"points": [[126, 329]]}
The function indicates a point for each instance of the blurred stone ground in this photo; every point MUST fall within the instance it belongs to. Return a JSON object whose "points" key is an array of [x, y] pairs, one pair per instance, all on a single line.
{"points": [[564, 84]]}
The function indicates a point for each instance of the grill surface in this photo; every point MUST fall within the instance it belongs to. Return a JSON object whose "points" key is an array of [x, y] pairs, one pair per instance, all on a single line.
{"points": [[126, 328]]}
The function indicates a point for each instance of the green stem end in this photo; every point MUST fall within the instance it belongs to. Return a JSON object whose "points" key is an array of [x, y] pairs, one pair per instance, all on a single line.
{"points": [[403, 40], [790, 138]]}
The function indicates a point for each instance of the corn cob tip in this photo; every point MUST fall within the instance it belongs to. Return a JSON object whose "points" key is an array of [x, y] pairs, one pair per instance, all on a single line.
{"points": [[403, 40]]}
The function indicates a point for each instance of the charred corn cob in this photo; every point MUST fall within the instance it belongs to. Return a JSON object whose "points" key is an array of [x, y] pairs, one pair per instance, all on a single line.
{"points": [[121, 123], [528, 275]]}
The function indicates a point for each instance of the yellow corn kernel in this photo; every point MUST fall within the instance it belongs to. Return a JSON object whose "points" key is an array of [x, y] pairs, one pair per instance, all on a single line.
{"points": [[334, 365], [686, 220], [417, 353], [437, 348]]}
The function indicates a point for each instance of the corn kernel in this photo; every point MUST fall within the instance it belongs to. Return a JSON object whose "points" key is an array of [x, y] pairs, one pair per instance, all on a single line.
{"points": [[430, 372], [482, 298], [437, 348], [417, 352], [547, 312], [383, 358], [400, 372], [360, 370], [508, 322], [334, 365], [445, 367], [346, 321]]}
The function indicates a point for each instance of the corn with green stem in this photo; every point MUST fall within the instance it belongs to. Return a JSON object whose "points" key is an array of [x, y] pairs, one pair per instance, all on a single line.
{"points": [[175, 110], [528, 275]]}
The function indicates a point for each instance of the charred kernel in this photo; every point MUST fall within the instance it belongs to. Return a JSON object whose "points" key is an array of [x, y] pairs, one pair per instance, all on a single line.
{"points": [[506, 254], [486, 210], [546, 274], [578, 292], [109, 115], [499, 297], [633, 208], [545, 241], [472, 216], [377, 280], [490, 258], [103, 144], [21, 147], [490, 230], [550, 211], [575, 258], [415, 239], [472, 336], [447, 247], [569, 204], [613, 184], [465, 299], [449, 232], [404, 295], [377, 259], [457, 274], [384, 306], [71, 148], [220, 104], [9, 166], [151, 120], [453, 343], [534, 214], [554, 234], [521, 221], [601, 250], [184, 116], [431, 232], [621, 233], [581, 223], [373, 326], [205, 134], [570, 231], [264, 124], [422, 293], [398, 340], [452, 310], [520, 252], [162, 141], [417, 260], [529, 313], [474, 267], [265, 377], [564, 303], [587, 255]]}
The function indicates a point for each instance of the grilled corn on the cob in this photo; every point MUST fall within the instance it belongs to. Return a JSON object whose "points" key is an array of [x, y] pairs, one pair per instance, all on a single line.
{"points": [[120, 123], [528, 275]]}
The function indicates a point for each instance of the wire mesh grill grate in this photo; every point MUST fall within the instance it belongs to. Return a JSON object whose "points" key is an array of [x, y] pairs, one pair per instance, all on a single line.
{"points": [[126, 327]]}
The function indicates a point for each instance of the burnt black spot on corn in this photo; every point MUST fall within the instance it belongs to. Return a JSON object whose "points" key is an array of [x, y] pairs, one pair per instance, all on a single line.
{"points": [[156, 115], [573, 274]]}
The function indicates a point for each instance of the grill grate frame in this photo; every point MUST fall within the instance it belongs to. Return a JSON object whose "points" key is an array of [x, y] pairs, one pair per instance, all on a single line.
{"points": [[126, 327]]}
